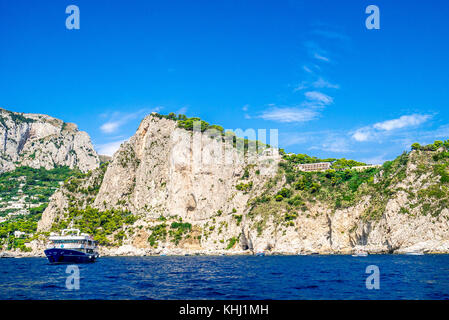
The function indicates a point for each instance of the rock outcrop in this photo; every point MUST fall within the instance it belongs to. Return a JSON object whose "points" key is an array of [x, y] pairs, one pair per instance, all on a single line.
{"points": [[191, 192], [38, 140]]}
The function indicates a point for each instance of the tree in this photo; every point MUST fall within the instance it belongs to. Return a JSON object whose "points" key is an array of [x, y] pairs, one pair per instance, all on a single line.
{"points": [[416, 146], [285, 193], [437, 143]]}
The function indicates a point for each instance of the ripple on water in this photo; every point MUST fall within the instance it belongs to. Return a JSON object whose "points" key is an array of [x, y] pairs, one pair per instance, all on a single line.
{"points": [[271, 277]]}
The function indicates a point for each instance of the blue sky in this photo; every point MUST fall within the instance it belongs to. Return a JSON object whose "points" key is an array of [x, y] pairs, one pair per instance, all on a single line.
{"points": [[310, 69]]}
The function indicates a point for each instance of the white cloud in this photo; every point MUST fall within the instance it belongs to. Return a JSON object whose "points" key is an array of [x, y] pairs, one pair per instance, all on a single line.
{"points": [[303, 85], [381, 129], [292, 138], [289, 114], [362, 134], [109, 148], [331, 34], [245, 107], [319, 97], [118, 119], [333, 143], [320, 57], [307, 69], [380, 159], [402, 122], [318, 84], [321, 83], [110, 127], [183, 110]]}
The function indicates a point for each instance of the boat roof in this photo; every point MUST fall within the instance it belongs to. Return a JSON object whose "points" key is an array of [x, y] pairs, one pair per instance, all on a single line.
{"points": [[65, 236], [82, 237]]}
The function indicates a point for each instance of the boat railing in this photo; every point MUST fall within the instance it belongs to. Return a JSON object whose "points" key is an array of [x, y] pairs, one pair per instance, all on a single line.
{"points": [[66, 231]]}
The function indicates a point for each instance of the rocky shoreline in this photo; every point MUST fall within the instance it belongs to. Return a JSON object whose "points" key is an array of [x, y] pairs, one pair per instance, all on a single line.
{"points": [[427, 247]]}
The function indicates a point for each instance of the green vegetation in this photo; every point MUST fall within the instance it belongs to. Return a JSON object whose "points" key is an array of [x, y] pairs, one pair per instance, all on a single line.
{"points": [[99, 224], [159, 233], [17, 118], [338, 186], [178, 230], [26, 224], [345, 164], [431, 147], [238, 218], [35, 186], [38, 184], [336, 163], [214, 131], [231, 242], [74, 184], [291, 192], [304, 158], [245, 187]]}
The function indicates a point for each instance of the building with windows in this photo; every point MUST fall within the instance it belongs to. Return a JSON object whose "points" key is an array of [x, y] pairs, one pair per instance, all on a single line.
{"points": [[319, 166]]}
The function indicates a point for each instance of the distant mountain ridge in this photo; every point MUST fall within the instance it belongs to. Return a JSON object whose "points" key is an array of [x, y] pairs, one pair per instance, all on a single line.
{"points": [[38, 140]]}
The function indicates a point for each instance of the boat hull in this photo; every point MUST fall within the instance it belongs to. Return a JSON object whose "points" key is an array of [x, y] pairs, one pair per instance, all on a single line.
{"points": [[59, 255]]}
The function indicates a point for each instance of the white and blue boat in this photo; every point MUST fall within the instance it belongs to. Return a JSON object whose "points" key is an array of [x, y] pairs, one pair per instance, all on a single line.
{"points": [[71, 247]]}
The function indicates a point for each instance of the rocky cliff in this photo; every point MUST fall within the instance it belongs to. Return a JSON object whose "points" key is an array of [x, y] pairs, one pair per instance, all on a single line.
{"points": [[38, 140], [177, 191]]}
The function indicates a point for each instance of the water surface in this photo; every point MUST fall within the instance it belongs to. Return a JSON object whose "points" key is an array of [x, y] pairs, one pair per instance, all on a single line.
{"points": [[234, 277]]}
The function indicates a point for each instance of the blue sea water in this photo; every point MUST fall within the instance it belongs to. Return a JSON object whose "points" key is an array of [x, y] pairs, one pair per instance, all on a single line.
{"points": [[230, 277]]}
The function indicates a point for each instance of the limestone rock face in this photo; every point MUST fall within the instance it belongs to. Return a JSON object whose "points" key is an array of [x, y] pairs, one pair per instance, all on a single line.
{"points": [[37, 140], [168, 171], [166, 174]]}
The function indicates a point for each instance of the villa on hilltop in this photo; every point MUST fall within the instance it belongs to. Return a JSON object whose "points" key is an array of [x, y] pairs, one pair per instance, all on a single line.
{"points": [[319, 166]]}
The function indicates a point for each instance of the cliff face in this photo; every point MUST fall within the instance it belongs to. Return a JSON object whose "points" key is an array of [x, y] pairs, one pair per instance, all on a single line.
{"points": [[42, 141], [403, 208], [190, 192], [167, 171]]}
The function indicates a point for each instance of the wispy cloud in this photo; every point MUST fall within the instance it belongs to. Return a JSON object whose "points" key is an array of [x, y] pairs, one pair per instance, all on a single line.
{"points": [[331, 34], [403, 121], [380, 159], [288, 139], [320, 57], [319, 97], [316, 51], [183, 110], [109, 148], [289, 114], [303, 85], [379, 129], [363, 134], [110, 127], [333, 143], [307, 69], [117, 119], [320, 83]]}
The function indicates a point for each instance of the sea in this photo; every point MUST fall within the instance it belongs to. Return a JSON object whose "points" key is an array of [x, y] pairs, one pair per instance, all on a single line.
{"points": [[341, 277]]}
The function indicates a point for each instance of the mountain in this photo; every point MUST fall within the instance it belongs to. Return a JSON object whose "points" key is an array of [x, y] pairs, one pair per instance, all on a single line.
{"points": [[171, 189], [37, 140]]}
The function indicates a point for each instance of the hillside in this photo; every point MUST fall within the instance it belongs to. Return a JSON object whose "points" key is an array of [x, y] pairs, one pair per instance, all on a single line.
{"points": [[37, 140], [169, 189], [24, 195]]}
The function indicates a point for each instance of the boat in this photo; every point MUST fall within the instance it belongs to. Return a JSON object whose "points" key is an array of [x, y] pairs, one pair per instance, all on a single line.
{"points": [[360, 254], [414, 253], [260, 254], [71, 247], [5, 255]]}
